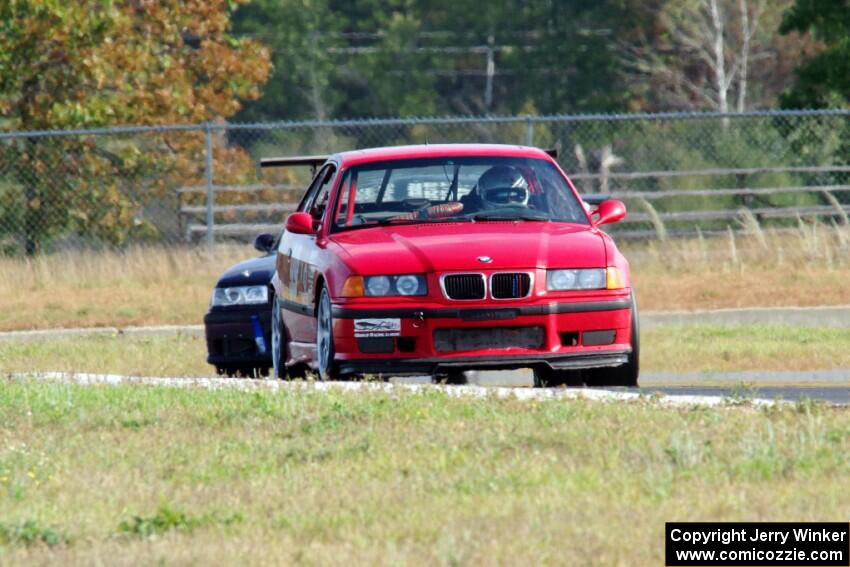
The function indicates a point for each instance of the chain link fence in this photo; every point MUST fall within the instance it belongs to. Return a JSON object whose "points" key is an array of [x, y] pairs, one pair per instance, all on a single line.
{"points": [[679, 173]]}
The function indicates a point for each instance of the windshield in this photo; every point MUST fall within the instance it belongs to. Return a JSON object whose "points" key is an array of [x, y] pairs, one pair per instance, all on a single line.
{"points": [[463, 189]]}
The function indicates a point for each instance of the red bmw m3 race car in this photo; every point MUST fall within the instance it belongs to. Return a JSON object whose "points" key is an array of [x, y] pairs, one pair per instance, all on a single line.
{"points": [[438, 259]]}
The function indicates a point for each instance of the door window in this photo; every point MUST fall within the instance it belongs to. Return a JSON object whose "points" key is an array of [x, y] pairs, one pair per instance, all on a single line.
{"points": [[316, 199]]}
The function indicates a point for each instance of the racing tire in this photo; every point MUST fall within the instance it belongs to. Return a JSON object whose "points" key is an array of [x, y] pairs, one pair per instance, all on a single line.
{"points": [[326, 367], [241, 371], [545, 377], [454, 378], [280, 350], [627, 374]]}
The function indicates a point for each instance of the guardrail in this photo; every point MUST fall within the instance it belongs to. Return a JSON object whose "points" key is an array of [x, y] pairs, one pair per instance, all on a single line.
{"points": [[273, 213], [267, 215]]}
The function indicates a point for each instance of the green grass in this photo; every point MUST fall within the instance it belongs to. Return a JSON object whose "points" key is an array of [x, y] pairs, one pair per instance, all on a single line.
{"points": [[168, 354], [140, 475], [706, 348], [672, 349]]}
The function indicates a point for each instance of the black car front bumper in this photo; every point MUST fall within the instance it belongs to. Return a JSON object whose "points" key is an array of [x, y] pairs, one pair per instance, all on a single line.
{"points": [[231, 338]]}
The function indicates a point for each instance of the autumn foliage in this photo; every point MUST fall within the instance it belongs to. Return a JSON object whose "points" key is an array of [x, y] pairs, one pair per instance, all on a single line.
{"points": [[97, 63]]}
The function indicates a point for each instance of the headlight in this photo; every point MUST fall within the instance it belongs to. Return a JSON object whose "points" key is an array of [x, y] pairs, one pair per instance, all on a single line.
{"points": [[408, 284], [563, 280], [242, 295], [378, 285]]}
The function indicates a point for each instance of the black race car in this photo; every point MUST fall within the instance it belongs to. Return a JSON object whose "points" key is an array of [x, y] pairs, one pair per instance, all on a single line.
{"points": [[238, 323]]}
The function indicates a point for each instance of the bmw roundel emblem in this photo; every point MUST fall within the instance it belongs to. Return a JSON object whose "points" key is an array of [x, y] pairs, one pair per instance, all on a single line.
{"points": [[485, 259]]}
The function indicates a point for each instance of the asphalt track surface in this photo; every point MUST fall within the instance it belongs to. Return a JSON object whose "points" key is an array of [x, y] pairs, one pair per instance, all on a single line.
{"points": [[830, 394], [831, 386]]}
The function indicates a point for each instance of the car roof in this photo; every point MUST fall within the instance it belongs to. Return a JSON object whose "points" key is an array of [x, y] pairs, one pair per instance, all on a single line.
{"points": [[357, 157]]}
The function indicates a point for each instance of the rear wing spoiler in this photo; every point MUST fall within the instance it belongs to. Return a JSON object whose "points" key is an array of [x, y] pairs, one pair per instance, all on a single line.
{"points": [[312, 161]]}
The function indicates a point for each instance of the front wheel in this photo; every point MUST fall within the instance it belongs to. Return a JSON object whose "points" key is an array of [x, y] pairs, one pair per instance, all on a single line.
{"points": [[325, 339], [456, 377], [627, 374], [545, 377]]}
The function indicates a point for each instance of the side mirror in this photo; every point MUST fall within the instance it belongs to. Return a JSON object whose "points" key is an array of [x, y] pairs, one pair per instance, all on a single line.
{"points": [[300, 223], [264, 243], [610, 211]]}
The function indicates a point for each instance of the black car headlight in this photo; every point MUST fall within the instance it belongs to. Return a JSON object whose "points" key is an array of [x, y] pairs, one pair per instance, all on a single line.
{"points": [[240, 295]]}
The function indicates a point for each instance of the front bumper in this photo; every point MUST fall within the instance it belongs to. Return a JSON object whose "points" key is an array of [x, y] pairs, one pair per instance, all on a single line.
{"points": [[439, 365], [231, 338], [588, 332]]}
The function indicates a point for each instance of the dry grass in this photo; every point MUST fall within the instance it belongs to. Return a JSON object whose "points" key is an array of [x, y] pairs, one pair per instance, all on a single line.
{"points": [[698, 348], [142, 286], [810, 266], [698, 288], [145, 476], [145, 286]]}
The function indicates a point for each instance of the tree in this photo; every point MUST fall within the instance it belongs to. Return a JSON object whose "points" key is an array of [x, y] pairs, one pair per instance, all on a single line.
{"points": [[301, 36], [95, 63], [569, 62], [423, 57], [718, 55], [822, 80]]}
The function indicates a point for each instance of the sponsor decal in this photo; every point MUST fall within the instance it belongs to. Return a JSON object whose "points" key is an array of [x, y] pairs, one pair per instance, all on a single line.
{"points": [[377, 327]]}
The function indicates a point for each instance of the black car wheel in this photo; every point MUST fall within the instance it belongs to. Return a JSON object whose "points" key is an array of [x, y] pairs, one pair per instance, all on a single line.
{"points": [[242, 371], [325, 338]]}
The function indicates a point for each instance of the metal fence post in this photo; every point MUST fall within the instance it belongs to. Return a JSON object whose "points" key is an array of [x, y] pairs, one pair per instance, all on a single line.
{"points": [[529, 131], [210, 235]]}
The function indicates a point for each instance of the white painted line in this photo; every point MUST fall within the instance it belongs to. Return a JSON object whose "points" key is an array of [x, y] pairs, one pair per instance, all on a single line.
{"points": [[791, 308], [84, 331], [835, 316], [470, 391]]}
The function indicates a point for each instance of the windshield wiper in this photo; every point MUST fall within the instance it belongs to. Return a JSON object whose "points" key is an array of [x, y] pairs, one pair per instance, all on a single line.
{"points": [[496, 215], [384, 222], [391, 220]]}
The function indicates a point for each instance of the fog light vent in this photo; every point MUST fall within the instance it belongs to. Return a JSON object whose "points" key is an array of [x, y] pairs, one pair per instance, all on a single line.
{"points": [[376, 344], [595, 338]]}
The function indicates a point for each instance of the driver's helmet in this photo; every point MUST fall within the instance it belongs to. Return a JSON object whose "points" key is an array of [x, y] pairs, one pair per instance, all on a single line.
{"points": [[501, 186]]}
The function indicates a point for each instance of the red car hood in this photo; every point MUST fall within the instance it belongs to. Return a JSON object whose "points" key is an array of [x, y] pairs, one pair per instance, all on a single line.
{"points": [[438, 247]]}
